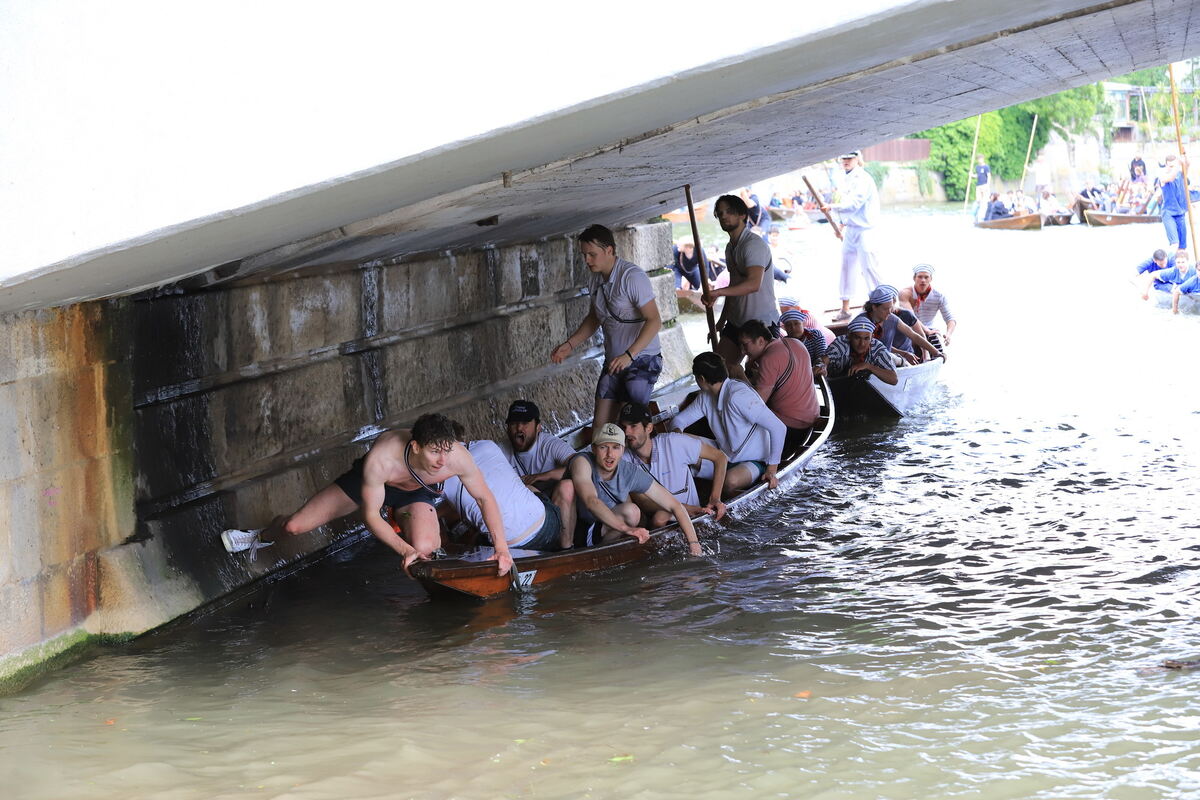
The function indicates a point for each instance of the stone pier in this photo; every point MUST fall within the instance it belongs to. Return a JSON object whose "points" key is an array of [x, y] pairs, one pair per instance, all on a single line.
{"points": [[146, 425]]}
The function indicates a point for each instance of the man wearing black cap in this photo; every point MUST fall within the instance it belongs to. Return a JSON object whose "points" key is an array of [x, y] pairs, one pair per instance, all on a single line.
{"points": [[858, 205], [538, 457], [669, 459]]}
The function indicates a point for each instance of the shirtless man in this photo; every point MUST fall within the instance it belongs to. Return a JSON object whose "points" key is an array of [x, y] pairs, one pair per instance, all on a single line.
{"points": [[403, 470], [604, 510]]}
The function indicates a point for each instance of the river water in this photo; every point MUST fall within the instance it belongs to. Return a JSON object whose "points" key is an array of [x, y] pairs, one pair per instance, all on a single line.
{"points": [[966, 603]]}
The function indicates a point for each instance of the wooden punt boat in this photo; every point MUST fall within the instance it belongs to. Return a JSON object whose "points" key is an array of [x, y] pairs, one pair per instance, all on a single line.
{"points": [[459, 577], [1024, 222], [870, 396], [1105, 219], [1057, 219]]}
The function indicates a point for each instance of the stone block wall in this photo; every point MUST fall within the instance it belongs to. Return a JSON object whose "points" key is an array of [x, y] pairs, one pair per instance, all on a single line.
{"points": [[66, 494], [146, 425]]}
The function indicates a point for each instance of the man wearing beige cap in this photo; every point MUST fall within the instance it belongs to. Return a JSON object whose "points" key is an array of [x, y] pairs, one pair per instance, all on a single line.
{"points": [[603, 511]]}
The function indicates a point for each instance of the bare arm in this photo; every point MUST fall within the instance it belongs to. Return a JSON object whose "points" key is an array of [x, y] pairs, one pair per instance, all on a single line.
{"points": [[754, 279], [720, 464], [585, 492], [373, 497], [590, 324], [658, 494], [919, 340]]}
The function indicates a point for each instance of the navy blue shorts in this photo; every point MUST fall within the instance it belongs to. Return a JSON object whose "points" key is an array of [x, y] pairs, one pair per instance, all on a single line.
{"points": [[632, 384], [351, 482]]}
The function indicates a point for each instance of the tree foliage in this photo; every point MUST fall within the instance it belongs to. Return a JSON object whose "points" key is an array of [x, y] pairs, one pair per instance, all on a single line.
{"points": [[1004, 135]]}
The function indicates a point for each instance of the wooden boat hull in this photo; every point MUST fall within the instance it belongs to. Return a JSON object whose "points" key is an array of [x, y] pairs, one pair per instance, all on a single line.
{"points": [[455, 577], [1024, 222], [873, 397], [1056, 219], [1104, 219]]}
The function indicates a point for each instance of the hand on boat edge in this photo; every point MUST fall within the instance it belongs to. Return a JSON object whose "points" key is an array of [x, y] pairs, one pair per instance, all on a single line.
{"points": [[409, 559], [641, 534], [717, 509], [504, 564]]}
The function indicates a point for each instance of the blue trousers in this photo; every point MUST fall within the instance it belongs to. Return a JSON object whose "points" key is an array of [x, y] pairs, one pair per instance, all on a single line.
{"points": [[1176, 225]]}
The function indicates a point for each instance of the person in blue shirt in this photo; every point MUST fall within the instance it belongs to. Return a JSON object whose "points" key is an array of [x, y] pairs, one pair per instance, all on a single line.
{"points": [[1165, 280], [1175, 201], [1157, 260]]}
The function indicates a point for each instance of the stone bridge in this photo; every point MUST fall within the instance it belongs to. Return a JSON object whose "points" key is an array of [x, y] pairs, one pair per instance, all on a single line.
{"points": [[206, 375]]}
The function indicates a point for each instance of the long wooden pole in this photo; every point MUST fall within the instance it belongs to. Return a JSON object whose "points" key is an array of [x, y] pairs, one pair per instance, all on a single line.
{"points": [[1187, 198], [1028, 150], [712, 320], [837, 231], [971, 164]]}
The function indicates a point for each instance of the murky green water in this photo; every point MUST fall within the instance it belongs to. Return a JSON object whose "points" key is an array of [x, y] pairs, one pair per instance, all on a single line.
{"points": [[959, 604]]}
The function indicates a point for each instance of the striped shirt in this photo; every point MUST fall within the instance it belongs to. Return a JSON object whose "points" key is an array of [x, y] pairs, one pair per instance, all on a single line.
{"points": [[928, 308], [814, 340], [840, 361]]}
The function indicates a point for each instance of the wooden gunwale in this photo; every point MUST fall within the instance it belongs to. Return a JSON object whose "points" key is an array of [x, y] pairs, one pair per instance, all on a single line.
{"points": [[449, 577]]}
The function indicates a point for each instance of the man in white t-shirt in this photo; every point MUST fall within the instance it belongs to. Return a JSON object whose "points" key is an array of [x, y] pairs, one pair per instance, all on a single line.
{"points": [[671, 458], [531, 521], [538, 457]]}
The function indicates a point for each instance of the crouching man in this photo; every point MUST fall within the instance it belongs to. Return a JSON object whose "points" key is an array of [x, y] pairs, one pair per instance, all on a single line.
{"points": [[603, 510]]}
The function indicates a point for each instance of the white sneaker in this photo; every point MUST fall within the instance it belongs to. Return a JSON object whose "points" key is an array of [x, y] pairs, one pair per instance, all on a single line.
{"points": [[236, 541]]}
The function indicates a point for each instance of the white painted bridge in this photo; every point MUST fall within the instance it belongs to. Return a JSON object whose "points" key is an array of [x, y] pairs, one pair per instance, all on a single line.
{"points": [[866, 74]]}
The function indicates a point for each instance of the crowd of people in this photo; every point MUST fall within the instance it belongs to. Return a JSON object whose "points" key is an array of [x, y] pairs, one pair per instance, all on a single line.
{"points": [[755, 405], [1165, 196]]}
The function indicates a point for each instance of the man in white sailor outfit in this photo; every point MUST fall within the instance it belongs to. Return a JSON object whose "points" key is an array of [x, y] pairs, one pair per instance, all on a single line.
{"points": [[858, 206]]}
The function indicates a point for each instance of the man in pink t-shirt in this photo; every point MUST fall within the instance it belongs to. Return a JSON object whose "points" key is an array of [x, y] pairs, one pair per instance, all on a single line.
{"points": [[780, 370]]}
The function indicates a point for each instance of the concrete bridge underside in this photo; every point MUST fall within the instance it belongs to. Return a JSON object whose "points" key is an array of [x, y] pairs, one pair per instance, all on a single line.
{"points": [[622, 158]]}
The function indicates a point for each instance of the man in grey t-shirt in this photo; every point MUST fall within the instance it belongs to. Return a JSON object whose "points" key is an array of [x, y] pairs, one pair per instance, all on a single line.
{"points": [[603, 511], [751, 290], [624, 307]]}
